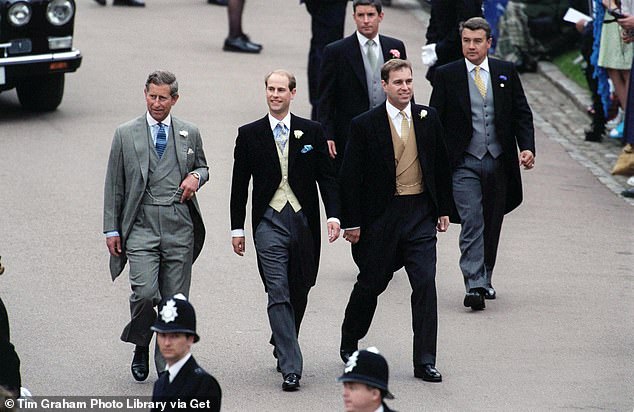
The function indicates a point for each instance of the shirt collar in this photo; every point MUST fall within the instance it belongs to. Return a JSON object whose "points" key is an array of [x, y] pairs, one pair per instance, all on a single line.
{"points": [[175, 368], [393, 111], [152, 122], [363, 40], [286, 120], [484, 65]]}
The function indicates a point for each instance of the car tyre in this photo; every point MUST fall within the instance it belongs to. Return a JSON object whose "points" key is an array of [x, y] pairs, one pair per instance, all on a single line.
{"points": [[41, 93]]}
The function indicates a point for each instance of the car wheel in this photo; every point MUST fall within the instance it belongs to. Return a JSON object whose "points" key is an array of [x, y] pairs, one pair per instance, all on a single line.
{"points": [[41, 93]]}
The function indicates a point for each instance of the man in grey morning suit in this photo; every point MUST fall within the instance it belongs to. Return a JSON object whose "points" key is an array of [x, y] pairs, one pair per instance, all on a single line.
{"points": [[486, 117], [151, 216], [287, 158]]}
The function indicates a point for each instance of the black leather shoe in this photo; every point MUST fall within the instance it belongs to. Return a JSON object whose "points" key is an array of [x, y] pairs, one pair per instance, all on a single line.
{"points": [[428, 373], [346, 353], [474, 299], [101, 2], [628, 193], [489, 293], [131, 3], [241, 44], [291, 382], [594, 136], [140, 363], [248, 40], [218, 2]]}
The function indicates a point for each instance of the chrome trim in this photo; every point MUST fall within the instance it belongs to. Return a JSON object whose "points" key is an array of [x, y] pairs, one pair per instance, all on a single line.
{"points": [[40, 58]]}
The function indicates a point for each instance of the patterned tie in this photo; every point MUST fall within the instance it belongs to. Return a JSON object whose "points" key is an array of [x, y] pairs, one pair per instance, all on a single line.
{"points": [[482, 88], [281, 136], [404, 127], [371, 54], [161, 140]]}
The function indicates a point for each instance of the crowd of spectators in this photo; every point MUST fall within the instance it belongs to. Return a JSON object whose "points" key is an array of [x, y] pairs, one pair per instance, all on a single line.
{"points": [[532, 30]]}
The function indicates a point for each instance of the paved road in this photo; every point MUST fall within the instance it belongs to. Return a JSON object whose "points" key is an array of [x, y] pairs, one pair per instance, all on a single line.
{"points": [[559, 337]]}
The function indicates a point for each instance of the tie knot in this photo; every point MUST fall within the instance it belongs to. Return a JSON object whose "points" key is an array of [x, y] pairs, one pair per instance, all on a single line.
{"points": [[402, 112], [477, 69], [371, 43]]}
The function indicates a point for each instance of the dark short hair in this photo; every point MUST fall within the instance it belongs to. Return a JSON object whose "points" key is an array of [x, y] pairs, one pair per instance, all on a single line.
{"points": [[476, 23], [374, 3], [392, 65], [292, 82], [161, 77]]}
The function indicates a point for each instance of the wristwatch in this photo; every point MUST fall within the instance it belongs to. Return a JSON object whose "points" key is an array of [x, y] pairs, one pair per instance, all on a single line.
{"points": [[196, 175]]}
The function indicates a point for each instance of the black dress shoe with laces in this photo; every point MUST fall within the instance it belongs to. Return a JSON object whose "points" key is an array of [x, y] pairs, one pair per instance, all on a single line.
{"points": [[291, 382], [101, 2], [428, 373], [489, 293], [474, 299], [241, 44], [131, 3], [140, 363], [345, 354]]}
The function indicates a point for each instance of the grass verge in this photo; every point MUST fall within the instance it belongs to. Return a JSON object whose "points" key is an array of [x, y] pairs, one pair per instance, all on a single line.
{"points": [[566, 63]]}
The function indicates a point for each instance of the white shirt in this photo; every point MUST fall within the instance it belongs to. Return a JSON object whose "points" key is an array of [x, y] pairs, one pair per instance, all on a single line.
{"points": [[485, 73], [286, 121], [397, 117], [363, 44], [176, 367], [154, 127]]}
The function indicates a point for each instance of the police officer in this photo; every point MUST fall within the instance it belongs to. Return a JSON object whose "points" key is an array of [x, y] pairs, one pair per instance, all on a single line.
{"points": [[183, 380], [365, 382]]}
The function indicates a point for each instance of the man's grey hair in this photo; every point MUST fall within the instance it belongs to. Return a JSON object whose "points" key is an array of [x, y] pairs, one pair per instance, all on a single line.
{"points": [[161, 77], [476, 23]]}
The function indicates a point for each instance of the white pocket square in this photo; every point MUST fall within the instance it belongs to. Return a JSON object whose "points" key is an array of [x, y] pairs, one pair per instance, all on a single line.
{"points": [[190, 151]]}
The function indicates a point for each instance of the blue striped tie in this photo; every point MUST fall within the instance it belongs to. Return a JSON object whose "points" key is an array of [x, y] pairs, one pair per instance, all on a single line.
{"points": [[161, 140]]}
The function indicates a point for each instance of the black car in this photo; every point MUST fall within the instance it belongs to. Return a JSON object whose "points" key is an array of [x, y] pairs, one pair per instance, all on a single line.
{"points": [[36, 49]]}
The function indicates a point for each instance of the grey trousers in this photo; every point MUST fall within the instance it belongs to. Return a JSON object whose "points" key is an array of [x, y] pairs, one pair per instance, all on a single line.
{"points": [[277, 236], [479, 191], [160, 252]]}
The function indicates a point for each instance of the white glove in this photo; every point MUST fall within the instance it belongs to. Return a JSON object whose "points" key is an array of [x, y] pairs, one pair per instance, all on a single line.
{"points": [[429, 54]]}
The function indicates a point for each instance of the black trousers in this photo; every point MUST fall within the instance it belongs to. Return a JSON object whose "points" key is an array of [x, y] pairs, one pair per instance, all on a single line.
{"points": [[403, 236], [327, 25]]}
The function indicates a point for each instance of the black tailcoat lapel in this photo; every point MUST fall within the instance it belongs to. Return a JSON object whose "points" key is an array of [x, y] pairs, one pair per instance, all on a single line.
{"points": [[356, 59]]}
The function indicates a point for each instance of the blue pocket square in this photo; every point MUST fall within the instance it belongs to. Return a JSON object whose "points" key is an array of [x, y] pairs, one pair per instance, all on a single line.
{"points": [[307, 148]]}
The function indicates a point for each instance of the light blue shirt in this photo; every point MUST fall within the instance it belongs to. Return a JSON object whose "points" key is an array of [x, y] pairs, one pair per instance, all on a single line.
{"points": [[154, 127], [485, 73]]}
